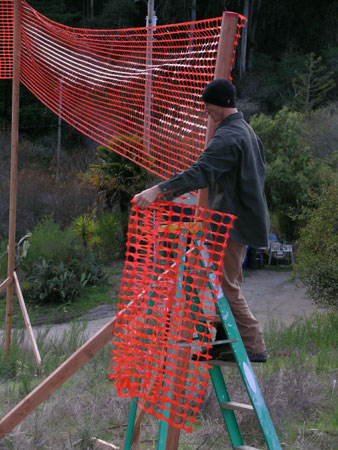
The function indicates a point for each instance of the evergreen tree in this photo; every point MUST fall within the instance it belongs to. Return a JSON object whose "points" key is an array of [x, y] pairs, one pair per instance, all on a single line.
{"points": [[312, 84]]}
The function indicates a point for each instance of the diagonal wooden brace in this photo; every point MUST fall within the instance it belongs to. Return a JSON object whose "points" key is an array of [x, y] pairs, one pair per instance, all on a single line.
{"points": [[58, 377], [4, 285]]}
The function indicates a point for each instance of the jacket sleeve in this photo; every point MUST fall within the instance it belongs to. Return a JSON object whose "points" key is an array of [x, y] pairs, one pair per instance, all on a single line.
{"points": [[217, 159]]}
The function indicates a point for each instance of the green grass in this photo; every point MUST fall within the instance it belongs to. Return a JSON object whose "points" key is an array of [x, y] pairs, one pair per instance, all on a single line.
{"points": [[306, 340]]}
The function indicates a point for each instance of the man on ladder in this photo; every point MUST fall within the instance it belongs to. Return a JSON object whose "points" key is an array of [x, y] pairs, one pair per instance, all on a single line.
{"points": [[232, 167]]}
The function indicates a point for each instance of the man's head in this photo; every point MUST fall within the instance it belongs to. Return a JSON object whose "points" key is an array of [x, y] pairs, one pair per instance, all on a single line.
{"points": [[219, 97], [221, 93]]}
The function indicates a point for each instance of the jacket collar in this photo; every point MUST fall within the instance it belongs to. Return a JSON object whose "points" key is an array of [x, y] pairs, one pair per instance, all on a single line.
{"points": [[229, 119]]}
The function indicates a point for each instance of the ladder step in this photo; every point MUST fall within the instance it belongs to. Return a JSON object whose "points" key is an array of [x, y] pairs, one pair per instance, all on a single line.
{"points": [[237, 406], [245, 447], [216, 362]]}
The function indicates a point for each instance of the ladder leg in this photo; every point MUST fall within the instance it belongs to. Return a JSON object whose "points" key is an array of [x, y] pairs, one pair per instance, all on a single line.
{"points": [[130, 427], [247, 374], [223, 396], [162, 435]]}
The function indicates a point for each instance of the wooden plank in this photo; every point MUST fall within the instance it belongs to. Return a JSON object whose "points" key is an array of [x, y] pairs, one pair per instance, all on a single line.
{"points": [[235, 406], [246, 447], [4, 285], [225, 54], [215, 362], [100, 444], [14, 169], [58, 377], [27, 321]]}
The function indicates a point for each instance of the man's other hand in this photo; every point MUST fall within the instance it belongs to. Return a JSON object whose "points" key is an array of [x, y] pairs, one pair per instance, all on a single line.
{"points": [[147, 197]]}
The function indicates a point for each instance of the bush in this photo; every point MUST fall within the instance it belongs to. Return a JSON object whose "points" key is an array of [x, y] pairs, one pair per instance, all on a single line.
{"points": [[104, 234], [58, 266], [292, 173], [52, 283], [316, 264], [51, 243], [110, 230]]}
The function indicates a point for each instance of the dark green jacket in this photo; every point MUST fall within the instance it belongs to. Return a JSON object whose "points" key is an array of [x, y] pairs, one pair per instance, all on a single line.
{"points": [[232, 167]]}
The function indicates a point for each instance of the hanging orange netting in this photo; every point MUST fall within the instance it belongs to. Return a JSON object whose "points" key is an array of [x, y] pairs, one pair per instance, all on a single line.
{"points": [[169, 290], [6, 38], [136, 91]]}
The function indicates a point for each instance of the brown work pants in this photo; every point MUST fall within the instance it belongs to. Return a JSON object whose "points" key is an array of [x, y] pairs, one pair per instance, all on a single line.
{"points": [[248, 326]]}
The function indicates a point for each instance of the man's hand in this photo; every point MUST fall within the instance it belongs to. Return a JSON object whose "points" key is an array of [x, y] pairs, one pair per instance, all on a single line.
{"points": [[147, 197]]}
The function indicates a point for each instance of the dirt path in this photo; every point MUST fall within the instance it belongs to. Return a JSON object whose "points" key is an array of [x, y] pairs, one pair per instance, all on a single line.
{"points": [[270, 295]]}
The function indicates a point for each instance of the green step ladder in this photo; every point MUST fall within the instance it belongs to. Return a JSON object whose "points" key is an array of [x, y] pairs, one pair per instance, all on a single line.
{"points": [[228, 407]]}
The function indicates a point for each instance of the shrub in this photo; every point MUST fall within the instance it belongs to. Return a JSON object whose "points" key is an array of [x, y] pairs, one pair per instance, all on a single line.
{"points": [[51, 243], [104, 234], [84, 227], [58, 266], [52, 283], [110, 230], [316, 264], [292, 173], [119, 176]]}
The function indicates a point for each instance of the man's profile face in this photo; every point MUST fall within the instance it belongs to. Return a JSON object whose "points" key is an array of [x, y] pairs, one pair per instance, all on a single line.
{"points": [[214, 111]]}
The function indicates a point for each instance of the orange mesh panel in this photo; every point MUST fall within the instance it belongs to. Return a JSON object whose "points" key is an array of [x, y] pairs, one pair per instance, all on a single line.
{"points": [[142, 83], [6, 38], [173, 252]]}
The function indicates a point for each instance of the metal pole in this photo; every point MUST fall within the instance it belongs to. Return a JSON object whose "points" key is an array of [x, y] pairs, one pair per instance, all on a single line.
{"points": [[193, 10], [151, 21], [14, 170], [58, 146], [244, 41], [192, 26]]}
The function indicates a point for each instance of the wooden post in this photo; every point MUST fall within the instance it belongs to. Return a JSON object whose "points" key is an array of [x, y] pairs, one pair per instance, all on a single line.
{"points": [[14, 169], [26, 319], [225, 53]]}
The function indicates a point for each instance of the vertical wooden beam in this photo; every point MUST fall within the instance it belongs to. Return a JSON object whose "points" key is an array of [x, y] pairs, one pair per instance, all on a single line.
{"points": [[14, 169], [225, 54]]}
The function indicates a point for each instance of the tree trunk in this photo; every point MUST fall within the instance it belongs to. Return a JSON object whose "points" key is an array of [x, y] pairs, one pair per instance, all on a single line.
{"points": [[252, 30]]}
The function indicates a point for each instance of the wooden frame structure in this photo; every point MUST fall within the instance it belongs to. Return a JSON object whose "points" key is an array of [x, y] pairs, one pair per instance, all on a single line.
{"points": [[12, 281], [225, 56]]}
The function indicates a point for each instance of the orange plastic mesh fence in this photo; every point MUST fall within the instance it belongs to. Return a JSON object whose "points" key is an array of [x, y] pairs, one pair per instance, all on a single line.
{"points": [[136, 91], [169, 288], [6, 38]]}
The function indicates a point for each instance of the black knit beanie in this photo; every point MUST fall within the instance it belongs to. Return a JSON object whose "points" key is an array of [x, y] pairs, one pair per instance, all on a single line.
{"points": [[221, 93]]}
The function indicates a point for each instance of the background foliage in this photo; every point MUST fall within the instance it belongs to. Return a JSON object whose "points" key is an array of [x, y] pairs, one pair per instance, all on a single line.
{"points": [[293, 174], [316, 264], [287, 89]]}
